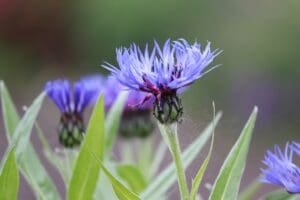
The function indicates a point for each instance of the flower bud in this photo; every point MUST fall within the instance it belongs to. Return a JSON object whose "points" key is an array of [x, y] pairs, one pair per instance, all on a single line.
{"points": [[71, 130], [168, 109]]}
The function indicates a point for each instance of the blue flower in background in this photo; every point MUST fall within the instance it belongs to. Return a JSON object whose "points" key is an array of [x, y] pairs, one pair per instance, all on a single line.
{"points": [[71, 100], [163, 72], [74, 98], [136, 118], [281, 169]]}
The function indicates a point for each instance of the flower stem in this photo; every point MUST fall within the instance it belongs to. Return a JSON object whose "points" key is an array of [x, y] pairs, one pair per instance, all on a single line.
{"points": [[169, 133]]}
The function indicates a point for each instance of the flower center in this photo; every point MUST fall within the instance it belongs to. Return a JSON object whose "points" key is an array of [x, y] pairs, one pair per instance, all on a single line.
{"points": [[136, 123]]}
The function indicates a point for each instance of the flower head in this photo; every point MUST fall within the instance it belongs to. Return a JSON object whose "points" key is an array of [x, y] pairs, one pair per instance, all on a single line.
{"points": [[163, 72], [71, 100], [282, 169]]}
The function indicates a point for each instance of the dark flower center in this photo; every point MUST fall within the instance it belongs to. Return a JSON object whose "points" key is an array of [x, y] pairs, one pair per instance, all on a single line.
{"points": [[136, 124], [71, 129]]}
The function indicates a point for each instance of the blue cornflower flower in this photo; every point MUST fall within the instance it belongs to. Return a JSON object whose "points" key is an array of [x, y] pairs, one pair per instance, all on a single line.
{"points": [[71, 101], [136, 117], [163, 72], [282, 170]]}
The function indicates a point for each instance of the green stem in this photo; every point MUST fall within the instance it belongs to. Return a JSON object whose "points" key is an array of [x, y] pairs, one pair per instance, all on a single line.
{"points": [[170, 134]]}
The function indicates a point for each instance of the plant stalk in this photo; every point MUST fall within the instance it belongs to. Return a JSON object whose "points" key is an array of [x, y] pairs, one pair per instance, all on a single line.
{"points": [[169, 133]]}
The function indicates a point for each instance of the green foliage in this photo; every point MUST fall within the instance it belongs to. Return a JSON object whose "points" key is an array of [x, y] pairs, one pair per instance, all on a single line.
{"points": [[228, 181], [113, 120], [10, 115], [104, 189], [121, 191], [280, 195], [199, 176], [18, 133], [170, 135], [86, 171], [9, 178], [82, 177], [133, 176], [250, 190], [63, 161], [167, 177]]}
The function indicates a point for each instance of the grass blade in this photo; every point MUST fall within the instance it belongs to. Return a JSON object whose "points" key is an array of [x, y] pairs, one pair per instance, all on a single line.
{"points": [[228, 181], [10, 115], [9, 178], [21, 135], [199, 176], [27, 159], [113, 120], [167, 177], [121, 191], [133, 177], [86, 171]]}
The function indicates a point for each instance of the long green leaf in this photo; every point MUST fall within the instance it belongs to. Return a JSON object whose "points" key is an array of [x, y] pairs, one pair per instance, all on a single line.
{"points": [[112, 121], [167, 177], [121, 191], [86, 170], [28, 160], [133, 177], [10, 115], [9, 178], [21, 135], [280, 195], [228, 181], [199, 176]]}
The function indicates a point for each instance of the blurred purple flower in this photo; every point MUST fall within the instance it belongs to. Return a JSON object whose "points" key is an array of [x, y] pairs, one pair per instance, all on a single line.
{"points": [[163, 72], [71, 101], [282, 170], [74, 99], [136, 118]]}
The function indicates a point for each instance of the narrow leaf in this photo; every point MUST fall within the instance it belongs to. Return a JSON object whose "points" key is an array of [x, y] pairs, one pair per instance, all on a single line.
{"points": [[21, 136], [86, 171], [10, 115], [199, 176], [228, 181], [121, 191], [167, 177], [9, 178], [27, 159], [133, 176], [112, 121]]}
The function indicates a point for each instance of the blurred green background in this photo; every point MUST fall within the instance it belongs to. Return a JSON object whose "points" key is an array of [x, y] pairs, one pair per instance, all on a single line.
{"points": [[42, 40]]}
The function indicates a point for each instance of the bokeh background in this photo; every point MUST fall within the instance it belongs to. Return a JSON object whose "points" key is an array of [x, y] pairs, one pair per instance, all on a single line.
{"points": [[42, 40]]}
